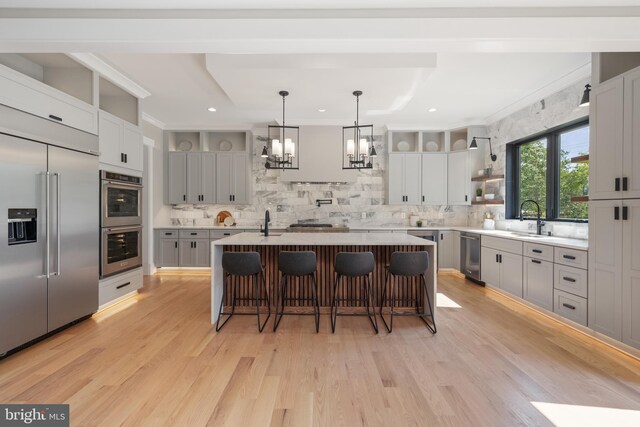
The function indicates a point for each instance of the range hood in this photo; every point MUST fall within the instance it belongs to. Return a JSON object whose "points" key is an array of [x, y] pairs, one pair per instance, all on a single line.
{"points": [[320, 151]]}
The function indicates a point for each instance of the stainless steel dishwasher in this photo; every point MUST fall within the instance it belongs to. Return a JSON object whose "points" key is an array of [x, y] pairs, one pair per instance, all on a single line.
{"points": [[470, 256]]}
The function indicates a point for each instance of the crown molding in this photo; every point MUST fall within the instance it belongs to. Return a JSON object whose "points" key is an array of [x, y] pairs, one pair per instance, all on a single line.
{"points": [[110, 73], [152, 120]]}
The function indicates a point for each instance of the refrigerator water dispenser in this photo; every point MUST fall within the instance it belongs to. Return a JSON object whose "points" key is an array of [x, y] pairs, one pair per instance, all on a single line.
{"points": [[23, 226]]}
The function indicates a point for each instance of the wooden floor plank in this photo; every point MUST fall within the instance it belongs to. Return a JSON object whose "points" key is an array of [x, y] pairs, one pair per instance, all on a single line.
{"points": [[156, 361]]}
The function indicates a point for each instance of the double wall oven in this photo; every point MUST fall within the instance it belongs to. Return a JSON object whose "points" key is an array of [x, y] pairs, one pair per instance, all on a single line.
{"points": [[120, 222]]}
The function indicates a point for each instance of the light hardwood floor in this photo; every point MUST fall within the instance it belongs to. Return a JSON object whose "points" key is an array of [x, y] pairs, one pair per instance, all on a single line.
{"points": [[155, 360]]}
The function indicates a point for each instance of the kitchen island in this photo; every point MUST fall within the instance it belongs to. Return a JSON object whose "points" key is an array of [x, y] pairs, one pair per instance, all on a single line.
{"points": [[326, 246]]}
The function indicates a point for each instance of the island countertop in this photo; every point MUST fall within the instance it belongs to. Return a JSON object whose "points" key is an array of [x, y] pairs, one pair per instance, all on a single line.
{"points": [[323, 239]]}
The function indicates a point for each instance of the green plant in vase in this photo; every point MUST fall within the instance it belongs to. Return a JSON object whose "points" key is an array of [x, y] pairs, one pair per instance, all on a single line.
{"points": [[479, 194], [419, 223]]}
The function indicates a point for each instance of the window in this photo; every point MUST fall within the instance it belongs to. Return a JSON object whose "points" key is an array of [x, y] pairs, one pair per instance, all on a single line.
{"points": [[552, 169]]}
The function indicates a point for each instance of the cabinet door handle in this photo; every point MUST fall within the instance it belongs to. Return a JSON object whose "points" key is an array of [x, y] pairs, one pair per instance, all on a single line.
{"points": [[625, 183], [572, 307], [536, 251], [176, 245], [184, 197], [423, 198], [625, 213], [617, 184], [568, 257], [497, 258], [466, 198], [123, 285], [126, 158], [441, 236], [535, 261], [121, 157], [616, 213], [226, 234], [51, 116], [569, 279], [500, 258], [168, 234], [194, 234]]}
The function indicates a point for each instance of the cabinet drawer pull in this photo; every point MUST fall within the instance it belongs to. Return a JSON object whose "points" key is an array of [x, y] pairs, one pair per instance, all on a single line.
{"points": [[227, 234], [569, 279], [568, 257], [194, 234], [536, 251], [51, 116], [572, 307], [535, 261], [123, 285]]}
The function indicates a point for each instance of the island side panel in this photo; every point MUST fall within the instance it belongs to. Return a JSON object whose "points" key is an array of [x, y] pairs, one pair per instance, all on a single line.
{"points": [[326, 255]]}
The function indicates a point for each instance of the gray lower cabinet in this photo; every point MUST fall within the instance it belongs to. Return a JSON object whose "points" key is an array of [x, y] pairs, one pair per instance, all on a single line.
{"points": [[176, 180], [167, 255], [194, 252], [446, 258], [502, 269], [537, 286]]}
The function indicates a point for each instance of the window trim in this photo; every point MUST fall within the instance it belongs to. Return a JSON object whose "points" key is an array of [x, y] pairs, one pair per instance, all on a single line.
{"points": [[512, 169]]}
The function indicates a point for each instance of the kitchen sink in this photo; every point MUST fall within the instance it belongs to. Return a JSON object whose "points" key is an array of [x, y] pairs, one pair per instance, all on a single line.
{"points": [[535, 236]]}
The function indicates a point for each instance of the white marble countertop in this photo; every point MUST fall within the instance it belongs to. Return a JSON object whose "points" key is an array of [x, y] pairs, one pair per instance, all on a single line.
{"points": [[565, 242], [324, 239]]}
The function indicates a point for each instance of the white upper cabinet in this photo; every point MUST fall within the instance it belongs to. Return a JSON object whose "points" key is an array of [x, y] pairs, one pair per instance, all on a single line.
{"points": [[52, 86], [631, 150], [458, 178], [120, 143], [615, 138], [434, 179], [405, 179]]}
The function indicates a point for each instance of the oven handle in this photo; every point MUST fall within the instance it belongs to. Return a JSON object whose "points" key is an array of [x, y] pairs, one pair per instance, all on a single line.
{"points": [[118, 229], [124, 184]]}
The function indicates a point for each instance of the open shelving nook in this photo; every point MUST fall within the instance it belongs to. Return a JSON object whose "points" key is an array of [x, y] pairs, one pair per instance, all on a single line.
{"points": [[209, 141]]}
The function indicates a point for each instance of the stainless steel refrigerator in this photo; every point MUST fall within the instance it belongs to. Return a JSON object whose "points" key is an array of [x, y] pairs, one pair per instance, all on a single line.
{"points": [[49, 251]]}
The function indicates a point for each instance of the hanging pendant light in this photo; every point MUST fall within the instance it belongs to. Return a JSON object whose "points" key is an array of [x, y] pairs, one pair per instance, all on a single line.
{"points": [[283, 143], [358, 151], [584, 102]]}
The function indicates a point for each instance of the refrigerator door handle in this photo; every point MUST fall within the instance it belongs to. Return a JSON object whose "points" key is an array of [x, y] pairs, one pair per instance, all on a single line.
{"points": [[47, 230], [58, 221]]}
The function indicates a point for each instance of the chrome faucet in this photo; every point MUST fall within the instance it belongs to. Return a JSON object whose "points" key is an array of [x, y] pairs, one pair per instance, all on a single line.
{"points": [[267, 219], [539, 222]]}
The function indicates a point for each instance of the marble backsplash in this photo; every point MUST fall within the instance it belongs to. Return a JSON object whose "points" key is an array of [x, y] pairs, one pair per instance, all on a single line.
{"points": [[362, 203]]}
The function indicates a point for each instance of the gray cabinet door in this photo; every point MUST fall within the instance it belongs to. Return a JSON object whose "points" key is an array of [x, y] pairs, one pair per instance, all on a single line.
{"points": [[445, 249], [208, 178], [412, 179], [168, 253], [194, 178], [224, 170], [177, 178], [538, 282], [631, 275], [631, 149], [511, 273], [455, 238], [396, 179], [605, 267], [458, 178], [434, 179], [187, 253], [201, 253], [489, 266], [606, 139], [240, 178]]}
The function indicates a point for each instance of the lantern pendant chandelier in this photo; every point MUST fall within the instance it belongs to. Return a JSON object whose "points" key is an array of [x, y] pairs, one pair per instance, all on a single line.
{"points": [[357, 142], [284, 144]]}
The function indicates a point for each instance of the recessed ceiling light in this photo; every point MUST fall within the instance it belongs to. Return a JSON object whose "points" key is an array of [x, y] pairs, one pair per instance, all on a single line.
{"points": [[431, 110], [322, 110], [213, 110]]}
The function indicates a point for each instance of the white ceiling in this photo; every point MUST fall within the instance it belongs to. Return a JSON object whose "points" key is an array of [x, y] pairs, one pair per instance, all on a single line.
{"points": [[466, 88]]}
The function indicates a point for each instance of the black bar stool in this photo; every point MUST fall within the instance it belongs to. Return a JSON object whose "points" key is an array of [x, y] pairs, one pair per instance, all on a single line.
{"points": [[354, 264], [297, 264], [408, 264], [243, 264]]}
